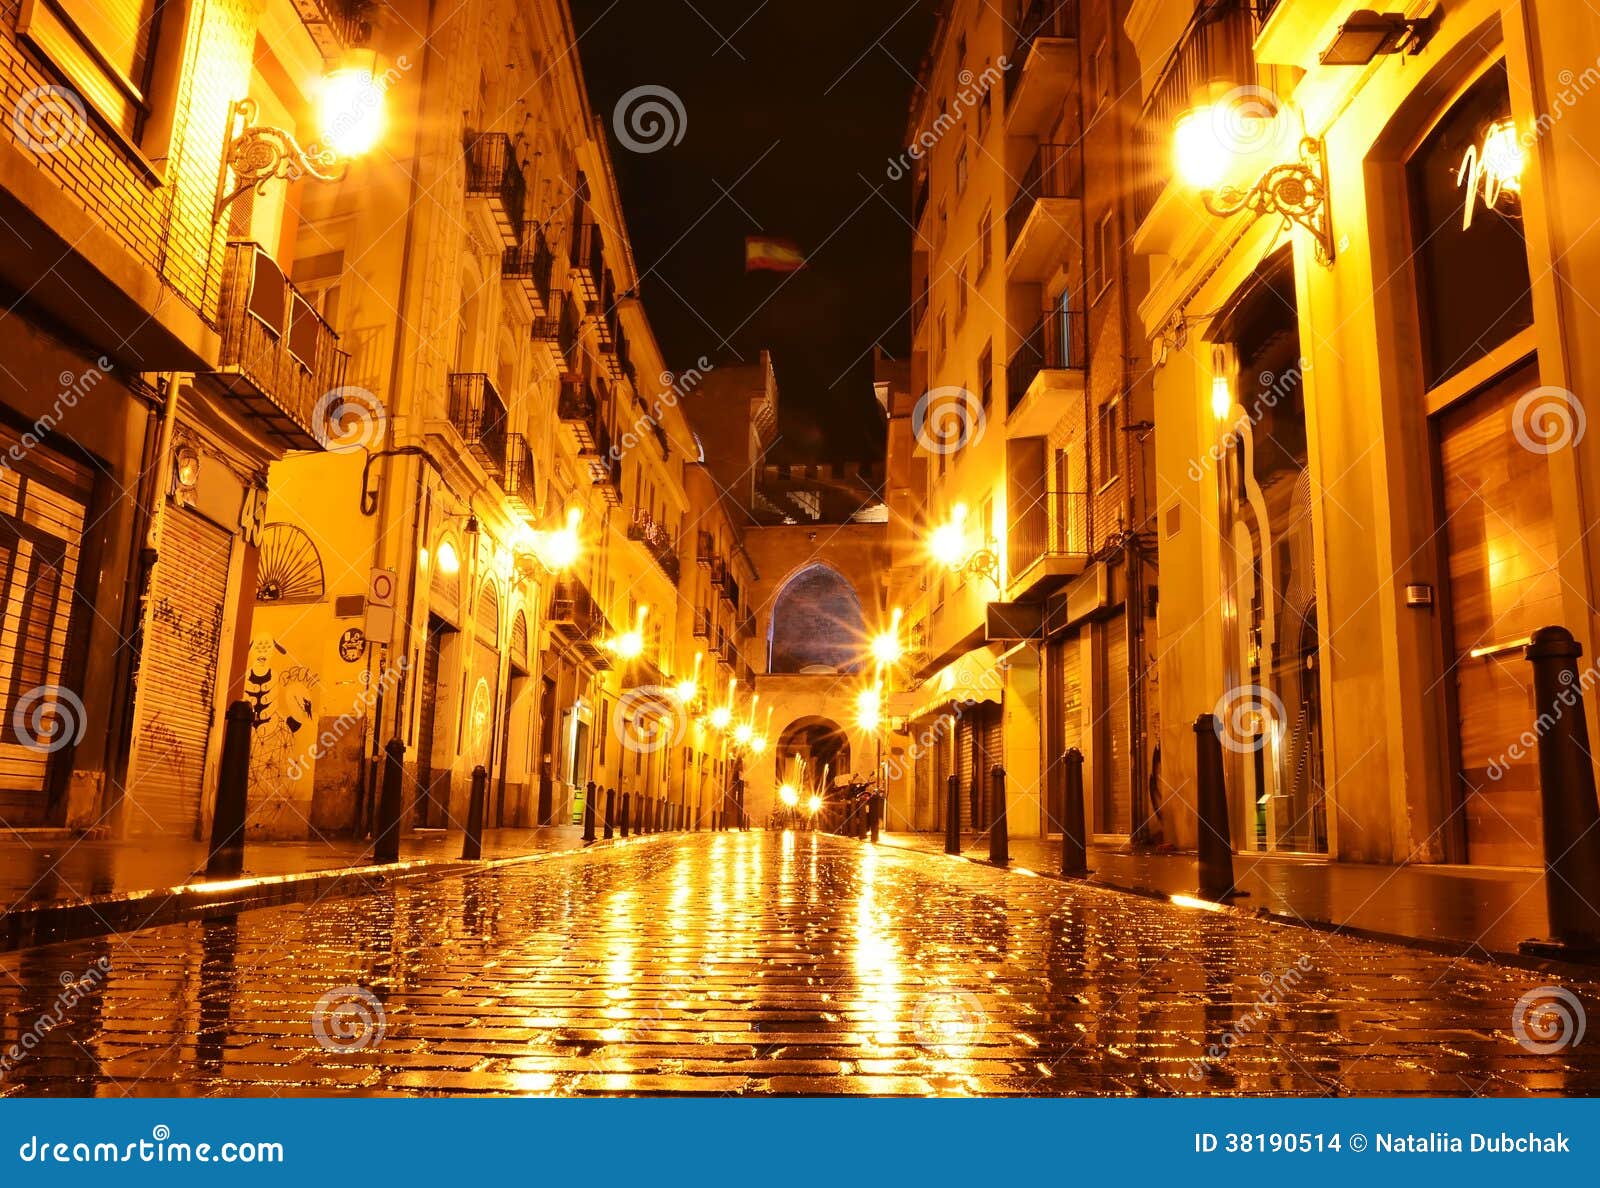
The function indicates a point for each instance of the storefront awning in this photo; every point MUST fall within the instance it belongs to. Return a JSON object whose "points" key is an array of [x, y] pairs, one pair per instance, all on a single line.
{"points": [[977, 676]]}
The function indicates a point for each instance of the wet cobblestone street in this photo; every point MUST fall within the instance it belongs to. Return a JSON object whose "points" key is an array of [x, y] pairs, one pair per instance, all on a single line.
{"points": [[763, 964]]}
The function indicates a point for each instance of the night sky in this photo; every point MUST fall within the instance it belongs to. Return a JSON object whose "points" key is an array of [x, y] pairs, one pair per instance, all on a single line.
{"points": [[796, 117]]}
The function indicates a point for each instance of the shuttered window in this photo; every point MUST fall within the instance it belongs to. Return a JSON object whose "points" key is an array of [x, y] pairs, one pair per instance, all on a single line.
{"points": [[104, 47]]}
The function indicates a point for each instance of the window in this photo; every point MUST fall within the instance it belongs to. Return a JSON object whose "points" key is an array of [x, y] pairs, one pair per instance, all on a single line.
{"points": [[961, 294], [1100, 276], [1099, 77], [961, 171], [944, 334], [984, 113], [942, 227], [986, 376], [105, 48], [985, 240], [1106, 432]]}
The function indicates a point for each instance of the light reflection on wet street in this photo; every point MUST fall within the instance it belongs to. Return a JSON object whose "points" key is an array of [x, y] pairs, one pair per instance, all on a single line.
{"points": [[762, 964]]}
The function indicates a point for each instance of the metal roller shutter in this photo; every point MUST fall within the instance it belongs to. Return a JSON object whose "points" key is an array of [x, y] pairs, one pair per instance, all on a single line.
{"points": [[1119, 810], [176, 687], [991, 754], [965, 729]]}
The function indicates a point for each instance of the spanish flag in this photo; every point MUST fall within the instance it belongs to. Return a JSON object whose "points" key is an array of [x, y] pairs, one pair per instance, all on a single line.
{"points": [[763, 253]]}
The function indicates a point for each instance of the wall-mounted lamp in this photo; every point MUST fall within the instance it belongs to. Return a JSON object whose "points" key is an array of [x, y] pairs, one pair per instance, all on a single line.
{"points": [[1366, 35], [350, 119]]}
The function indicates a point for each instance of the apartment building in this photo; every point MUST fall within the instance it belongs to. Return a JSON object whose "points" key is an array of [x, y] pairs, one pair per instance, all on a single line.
{"points": [[1024, 561]]}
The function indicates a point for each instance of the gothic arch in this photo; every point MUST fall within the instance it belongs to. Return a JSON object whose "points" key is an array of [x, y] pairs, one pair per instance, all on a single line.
{"points": [[817, 625]]}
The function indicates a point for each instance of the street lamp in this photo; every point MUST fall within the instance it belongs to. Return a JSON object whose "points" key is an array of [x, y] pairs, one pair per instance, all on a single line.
{"points": [[1218, 142], [630, 644], [948, 546], [886, 648], [554, 550], [688, 689], [350, 118]]}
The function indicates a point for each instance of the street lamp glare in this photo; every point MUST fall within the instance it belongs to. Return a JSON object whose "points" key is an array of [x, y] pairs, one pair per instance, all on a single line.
{"points": [[1200, 157], [815, 803], [788, 795], [350, 111]]}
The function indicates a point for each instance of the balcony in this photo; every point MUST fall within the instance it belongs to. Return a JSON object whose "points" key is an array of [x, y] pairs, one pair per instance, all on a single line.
{"points": [[1047, 366], [702, 623], [1044, 220], [657, 541], [1044, 63], [335, 25], [1047, 544], [919, 197], [605, 469], [526, 269], [577, 618], [577, 408], [479, 416], [747, 627], [586, 257], [546, 335], [516, 480], [495, 182], [1217, 50], [705, 549], [278, 357]]}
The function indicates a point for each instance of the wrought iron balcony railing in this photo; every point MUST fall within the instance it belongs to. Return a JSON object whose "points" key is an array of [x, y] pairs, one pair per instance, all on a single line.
{"points": [[702, 623], [516, 480], [1055, 171], [1057, 342], [479, 415], [1055, 524], [1041, 18], [657, 540], [495, 175], [531, 263], [586, 257], [278, 357], [577, 407]]}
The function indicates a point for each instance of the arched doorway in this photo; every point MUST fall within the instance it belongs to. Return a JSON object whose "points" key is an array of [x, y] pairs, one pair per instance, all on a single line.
{"points": [[817, 625], [809, 747]]}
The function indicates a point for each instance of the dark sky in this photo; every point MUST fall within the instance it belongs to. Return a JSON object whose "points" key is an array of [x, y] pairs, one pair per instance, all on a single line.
{"points": [[796, 116]]}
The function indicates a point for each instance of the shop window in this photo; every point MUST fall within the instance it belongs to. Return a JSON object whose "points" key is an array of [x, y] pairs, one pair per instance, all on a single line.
{"points": [[1466, 216]]}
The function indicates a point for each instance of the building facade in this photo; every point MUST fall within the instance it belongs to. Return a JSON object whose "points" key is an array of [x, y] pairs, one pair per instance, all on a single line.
{"points": [[1019, 453]]}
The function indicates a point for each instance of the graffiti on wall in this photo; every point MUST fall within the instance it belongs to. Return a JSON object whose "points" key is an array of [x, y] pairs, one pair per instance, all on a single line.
{"points": [[283, 704]]}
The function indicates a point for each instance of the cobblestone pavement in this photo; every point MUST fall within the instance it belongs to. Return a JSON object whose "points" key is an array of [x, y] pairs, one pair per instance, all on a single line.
{"points": [[769, 964]]}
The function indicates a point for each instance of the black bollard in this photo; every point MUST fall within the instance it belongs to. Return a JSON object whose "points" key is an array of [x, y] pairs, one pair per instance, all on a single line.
{"points": [[472, 844], [1216, 836], [386, 834], [611, 820], [626, 822], [1074, 842], [588, 811], [226, 860], [952, 816], [999, 838], [1566, 797], [874, 811]]}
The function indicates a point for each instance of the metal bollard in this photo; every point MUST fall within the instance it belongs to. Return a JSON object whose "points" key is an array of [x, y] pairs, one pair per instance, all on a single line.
{"points": [[226, 860], [386, 836], [1074, 838], [999, 839], [1566, 797], [874, 811], [472, 844], [626, 821], [1216, 835], [611, 820], [952, 816], [588, 811]]}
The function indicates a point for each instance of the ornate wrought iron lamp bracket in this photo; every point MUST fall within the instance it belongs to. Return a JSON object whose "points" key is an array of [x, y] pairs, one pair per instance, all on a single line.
{"points": [[259, 153], [1296, 191]]}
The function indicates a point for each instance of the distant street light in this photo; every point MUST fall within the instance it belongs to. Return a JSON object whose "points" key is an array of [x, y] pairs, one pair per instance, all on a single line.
{"points": [[886, 648]]}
